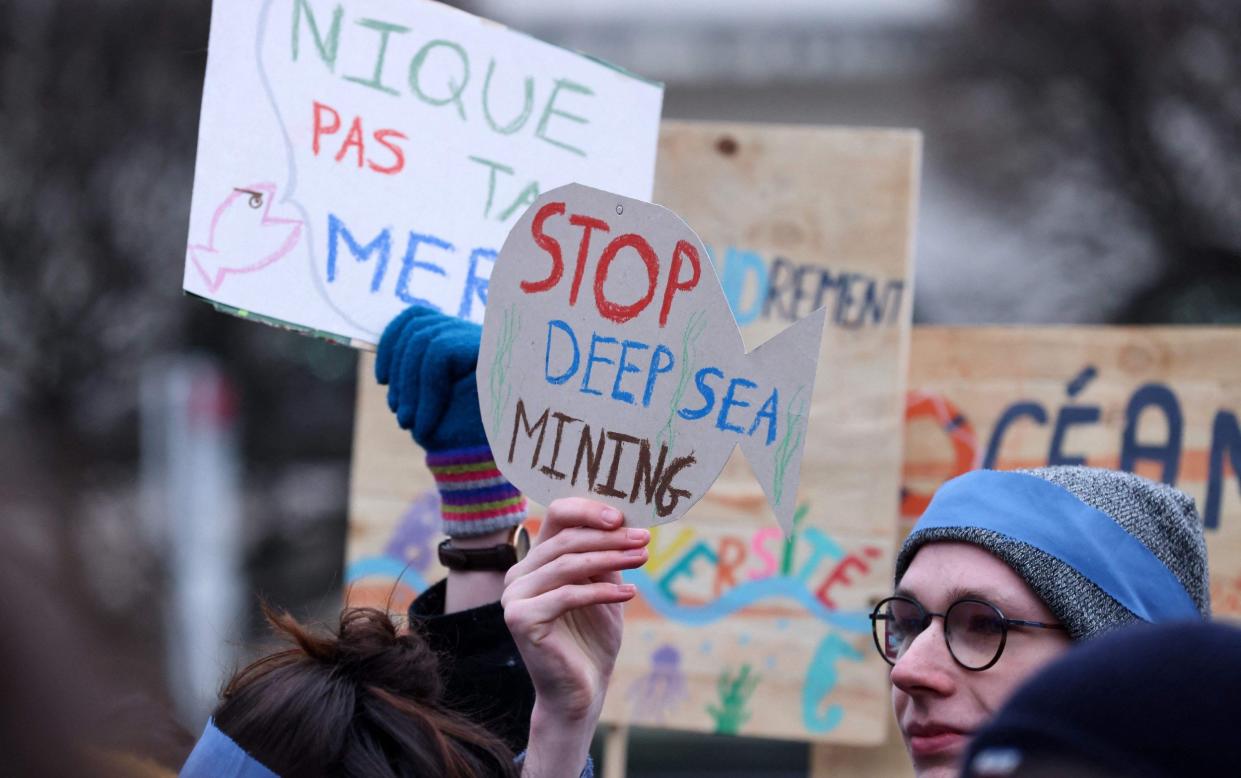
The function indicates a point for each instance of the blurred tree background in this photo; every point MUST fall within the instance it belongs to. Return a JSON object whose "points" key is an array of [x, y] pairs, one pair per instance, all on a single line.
{"points": [[98, 127], [1137, 102], [1083, 165]]}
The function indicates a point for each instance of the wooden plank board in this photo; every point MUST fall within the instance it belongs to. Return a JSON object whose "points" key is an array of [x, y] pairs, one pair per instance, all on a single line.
{"points": [[733, 630]]}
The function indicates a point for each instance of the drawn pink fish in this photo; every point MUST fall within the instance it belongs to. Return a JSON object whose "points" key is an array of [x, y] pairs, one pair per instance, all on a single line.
{"points": [[244, 236]]}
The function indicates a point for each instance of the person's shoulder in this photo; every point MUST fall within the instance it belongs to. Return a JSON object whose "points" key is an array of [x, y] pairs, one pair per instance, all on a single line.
{"points": [[430, 603]]}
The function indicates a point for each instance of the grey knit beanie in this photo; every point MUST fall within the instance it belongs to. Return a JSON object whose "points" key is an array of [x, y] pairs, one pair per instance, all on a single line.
{"points": [[1162, 519]]}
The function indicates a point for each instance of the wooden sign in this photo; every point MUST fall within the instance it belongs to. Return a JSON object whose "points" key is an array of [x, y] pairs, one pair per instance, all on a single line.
{"points": [[738, 628], [645, 387], [354, 159], [1162, 402]]}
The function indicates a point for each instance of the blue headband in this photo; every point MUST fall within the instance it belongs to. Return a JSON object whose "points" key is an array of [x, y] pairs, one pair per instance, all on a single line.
{"points": [[216, 755], [1031, 510]]}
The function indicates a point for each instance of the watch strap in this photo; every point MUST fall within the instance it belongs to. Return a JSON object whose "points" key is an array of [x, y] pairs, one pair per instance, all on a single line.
{"points": [[492, 558]]}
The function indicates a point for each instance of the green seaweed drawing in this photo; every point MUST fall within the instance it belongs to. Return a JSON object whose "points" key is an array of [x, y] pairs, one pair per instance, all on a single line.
{"points": [[794, 433], [735, 693], [689, 340], [790, 543], [509, 329]]}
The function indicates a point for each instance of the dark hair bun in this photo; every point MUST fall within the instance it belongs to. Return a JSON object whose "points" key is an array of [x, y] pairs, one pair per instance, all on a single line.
{"points": [[373, 652], [363, 701]]}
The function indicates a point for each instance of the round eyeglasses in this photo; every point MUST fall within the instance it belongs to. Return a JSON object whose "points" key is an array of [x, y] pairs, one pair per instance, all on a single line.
{"points": [[975, 630]]}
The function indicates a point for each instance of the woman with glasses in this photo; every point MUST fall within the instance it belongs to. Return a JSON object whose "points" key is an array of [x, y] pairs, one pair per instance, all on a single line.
{"points": [[1005, 570]]}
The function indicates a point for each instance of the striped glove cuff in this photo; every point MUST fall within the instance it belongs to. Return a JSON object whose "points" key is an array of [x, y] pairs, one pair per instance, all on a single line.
{"points": [[475, 498]]}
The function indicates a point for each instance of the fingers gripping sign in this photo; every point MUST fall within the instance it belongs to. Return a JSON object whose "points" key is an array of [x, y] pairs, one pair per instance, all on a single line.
{"points": [[563, 605]]}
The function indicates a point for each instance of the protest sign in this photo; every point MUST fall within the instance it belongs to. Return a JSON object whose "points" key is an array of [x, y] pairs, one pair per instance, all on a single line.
{"points": [[738, 629], [1162, 402], [356, 159], [639, 349]]}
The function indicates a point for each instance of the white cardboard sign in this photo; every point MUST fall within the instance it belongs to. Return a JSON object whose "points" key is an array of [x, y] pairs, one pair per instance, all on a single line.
{"points": [[357, 158], [611, 365]]}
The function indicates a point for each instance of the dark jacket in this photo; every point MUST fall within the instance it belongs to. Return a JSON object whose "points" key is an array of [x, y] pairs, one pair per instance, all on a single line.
{"points": [[484, 675]]}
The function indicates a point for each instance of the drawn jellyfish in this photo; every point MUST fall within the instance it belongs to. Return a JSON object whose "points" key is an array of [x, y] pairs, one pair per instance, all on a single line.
{"points": [[657, 693], [413, 542]]}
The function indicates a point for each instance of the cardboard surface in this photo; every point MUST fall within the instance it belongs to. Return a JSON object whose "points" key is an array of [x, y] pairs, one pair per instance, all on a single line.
{"points": [[644, 387], [356, 158]]}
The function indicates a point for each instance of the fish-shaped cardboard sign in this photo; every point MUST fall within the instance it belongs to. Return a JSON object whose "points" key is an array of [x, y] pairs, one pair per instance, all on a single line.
{"points": [[611, 365]]}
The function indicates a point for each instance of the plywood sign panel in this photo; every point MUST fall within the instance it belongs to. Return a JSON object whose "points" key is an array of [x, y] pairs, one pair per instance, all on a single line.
{"points": [[1161, 402], [738, 629]]}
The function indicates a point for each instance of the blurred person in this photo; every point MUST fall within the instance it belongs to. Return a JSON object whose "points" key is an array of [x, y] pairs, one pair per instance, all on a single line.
{"points": [[64, 709], [1005, 570], [1149, 702]]}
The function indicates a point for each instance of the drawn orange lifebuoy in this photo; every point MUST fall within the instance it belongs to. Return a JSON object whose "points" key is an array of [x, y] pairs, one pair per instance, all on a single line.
{"points": [[920, 404]]}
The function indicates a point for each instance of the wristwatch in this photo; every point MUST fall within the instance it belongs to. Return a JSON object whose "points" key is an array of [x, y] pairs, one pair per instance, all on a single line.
{"points": [[499, 557]]}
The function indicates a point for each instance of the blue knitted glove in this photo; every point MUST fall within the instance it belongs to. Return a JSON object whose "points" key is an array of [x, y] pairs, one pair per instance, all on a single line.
{"points": [[428, 359]]}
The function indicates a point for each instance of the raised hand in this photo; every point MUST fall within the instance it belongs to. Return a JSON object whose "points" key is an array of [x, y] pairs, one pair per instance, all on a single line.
{"points": [[563, 604]]}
